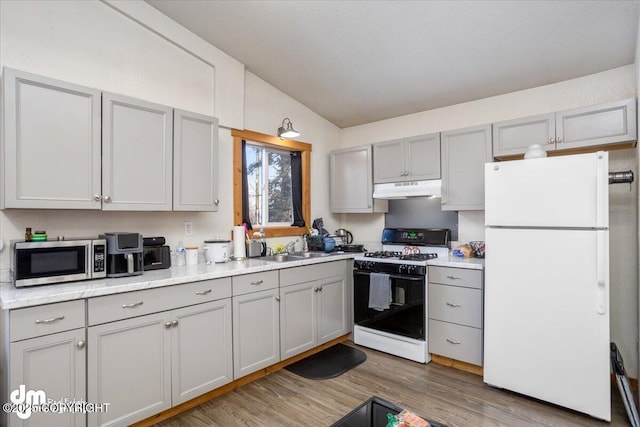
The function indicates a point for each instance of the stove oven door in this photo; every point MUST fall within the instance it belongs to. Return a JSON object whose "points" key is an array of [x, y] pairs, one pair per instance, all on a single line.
{"points": [[406, 315]]}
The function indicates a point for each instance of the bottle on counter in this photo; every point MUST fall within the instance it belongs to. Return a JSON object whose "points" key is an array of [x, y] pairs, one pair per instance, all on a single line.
{"points": [[181, 254], [27, 234]]}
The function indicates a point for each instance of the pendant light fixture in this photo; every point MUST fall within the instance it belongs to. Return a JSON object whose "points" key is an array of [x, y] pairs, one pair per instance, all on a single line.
{"points": [[287, 131]]}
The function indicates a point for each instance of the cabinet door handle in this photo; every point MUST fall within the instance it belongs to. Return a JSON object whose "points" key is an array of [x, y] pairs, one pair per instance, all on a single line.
{"points": [[107, 199], [551, 141], [167, 325], [278, 298], [216, 202], [450, 304], [208, 291], [53, 319], [259, 282], [97, 197], [80, 344], [132, 305], [558, 140], [453, 277], [453, 342], [174, 323]]}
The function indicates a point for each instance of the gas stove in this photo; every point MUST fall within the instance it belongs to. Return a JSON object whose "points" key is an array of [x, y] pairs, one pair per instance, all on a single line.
{"points": [[394, 320], [405, 250]]}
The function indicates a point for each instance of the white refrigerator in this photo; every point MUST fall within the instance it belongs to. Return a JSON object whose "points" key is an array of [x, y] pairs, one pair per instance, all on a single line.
{"points": [[546, 323]]}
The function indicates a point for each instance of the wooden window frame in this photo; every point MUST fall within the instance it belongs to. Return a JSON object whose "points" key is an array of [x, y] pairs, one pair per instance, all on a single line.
{"points": [[280, 144]]}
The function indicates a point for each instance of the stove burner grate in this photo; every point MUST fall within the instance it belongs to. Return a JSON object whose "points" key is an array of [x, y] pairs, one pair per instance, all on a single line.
{"points": [[383, 254]]}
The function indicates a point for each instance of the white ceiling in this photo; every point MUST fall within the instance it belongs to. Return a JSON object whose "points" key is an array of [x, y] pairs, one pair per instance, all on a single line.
{"points": [[355, 62]]}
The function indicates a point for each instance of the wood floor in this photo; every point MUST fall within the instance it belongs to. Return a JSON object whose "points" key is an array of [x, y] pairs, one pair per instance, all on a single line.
{"points": [[446, 395]]}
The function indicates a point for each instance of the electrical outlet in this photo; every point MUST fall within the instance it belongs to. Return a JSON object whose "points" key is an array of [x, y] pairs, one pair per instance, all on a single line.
{"points": [[188, 228]]}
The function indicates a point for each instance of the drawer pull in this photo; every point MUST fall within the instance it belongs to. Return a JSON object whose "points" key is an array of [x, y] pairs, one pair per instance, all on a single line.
{"points": [[53, 319], [259, 282], [452, 305], [81, 344], [453, 277], [132, 305], [453, 342], [208, 291]]}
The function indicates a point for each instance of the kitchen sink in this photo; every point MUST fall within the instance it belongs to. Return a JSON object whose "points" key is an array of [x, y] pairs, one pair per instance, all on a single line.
{"points": [[309, 254], [294, 256]]}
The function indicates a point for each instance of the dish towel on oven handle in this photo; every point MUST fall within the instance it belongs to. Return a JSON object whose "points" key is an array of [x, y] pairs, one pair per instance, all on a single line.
{"points": [[379, 291]]}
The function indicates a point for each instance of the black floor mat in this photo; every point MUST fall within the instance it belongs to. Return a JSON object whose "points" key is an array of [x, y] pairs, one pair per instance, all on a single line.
{"points": [[329, 363]]}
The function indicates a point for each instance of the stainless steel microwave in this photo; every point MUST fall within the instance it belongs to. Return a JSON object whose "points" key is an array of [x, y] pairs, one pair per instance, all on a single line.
{"points": [[43, 263]]}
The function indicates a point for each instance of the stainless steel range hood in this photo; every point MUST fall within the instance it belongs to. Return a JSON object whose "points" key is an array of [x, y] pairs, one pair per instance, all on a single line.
{"points": [[403, 190]]}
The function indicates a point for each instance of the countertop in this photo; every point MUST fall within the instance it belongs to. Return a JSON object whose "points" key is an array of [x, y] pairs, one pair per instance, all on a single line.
{"points": [[12, 297], [452, 261]]}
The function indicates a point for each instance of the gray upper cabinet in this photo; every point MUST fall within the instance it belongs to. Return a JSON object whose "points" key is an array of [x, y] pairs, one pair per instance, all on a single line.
{"points": [[593, 126], [351, 181], [195, 162], [137, 154], [408, 159], [464, 153], [51, 144]]}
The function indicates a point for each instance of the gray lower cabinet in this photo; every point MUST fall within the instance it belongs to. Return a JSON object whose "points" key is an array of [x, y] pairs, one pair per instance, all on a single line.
{"points": [[313, 306], [256, 320], [455, 313], [129, 366], [47, 352], [172, 343], [464, 153], [54, 364], [592, 126], [51, 144]]}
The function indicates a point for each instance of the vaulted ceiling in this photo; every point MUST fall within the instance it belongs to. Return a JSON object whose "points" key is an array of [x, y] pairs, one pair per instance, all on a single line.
{"points": [[355, 62]]}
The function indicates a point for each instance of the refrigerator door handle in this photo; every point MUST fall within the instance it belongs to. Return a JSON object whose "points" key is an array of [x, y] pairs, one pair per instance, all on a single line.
{"points": [[602, 191], [602, 271]]}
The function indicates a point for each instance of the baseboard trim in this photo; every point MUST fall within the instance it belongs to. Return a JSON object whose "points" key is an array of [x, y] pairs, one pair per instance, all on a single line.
{"points": [[457, 364], [234, 385]]}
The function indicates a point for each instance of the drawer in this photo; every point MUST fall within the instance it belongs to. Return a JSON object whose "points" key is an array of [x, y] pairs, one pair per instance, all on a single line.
{"points": [[138, 303], [457, 342], [455, 276], [455, 304], [248, 283], [309, 273], [46, 319]]}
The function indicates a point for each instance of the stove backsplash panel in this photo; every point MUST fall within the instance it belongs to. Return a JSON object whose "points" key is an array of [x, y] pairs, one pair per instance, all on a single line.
{"points": [[421, 212]]}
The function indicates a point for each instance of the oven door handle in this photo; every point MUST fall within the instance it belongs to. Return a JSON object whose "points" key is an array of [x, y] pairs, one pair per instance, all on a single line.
{"points": [[392, 276]]}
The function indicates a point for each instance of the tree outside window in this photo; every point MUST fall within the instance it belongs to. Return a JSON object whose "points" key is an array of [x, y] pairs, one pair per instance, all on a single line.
{"points": [[270, 202], [269, 163]]}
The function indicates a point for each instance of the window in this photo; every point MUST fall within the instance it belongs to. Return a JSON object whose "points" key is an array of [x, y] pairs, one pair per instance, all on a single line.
{"points": [[269, 186], [277, 183]]}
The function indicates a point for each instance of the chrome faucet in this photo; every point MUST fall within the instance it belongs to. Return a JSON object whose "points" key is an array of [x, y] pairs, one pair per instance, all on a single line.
{"points": [[289, 246]]}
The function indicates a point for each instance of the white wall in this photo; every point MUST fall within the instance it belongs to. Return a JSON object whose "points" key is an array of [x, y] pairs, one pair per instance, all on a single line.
{"points": [[619, 83], [128, 47], [266, 107]]}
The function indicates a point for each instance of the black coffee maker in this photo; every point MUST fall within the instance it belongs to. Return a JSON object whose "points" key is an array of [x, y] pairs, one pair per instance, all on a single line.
{"points": [[124, 254]]}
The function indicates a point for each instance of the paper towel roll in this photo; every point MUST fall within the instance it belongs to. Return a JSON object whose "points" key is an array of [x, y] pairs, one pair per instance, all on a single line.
{"points": [[239, 248]]}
